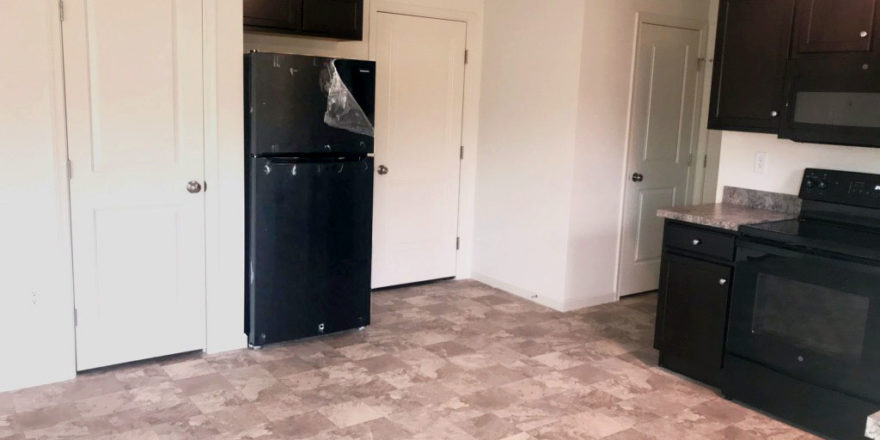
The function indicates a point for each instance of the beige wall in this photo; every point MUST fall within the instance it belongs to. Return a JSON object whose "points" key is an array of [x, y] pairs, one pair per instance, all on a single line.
{"points": [[786, 161], [528, 120], [36, 291], [556, 95]]}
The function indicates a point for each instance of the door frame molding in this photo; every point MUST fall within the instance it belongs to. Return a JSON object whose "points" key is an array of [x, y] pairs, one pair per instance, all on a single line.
{"points": [[700, 129], [470, 111]]}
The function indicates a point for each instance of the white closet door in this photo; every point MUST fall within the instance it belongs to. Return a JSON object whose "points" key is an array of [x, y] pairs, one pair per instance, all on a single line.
{"points": [[133, 74], [420, 86], [666, 103]]}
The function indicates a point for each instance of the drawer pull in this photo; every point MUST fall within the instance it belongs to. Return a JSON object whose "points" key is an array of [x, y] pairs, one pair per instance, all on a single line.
{"points": [[722, 281], [697, 242]]}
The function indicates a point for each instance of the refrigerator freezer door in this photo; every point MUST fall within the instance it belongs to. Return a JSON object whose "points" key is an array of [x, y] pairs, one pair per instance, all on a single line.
{"points": [[306, 105], [309, 247]]}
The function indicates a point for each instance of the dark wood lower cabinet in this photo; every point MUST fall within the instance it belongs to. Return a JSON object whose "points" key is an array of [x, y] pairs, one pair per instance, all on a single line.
{"points": [[692, 306]]}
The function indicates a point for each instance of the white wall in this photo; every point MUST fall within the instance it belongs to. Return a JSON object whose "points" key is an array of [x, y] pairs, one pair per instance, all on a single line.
{"points": [[469, 11], [786, 161], [528, 119], [555, 113], [36, 292]]}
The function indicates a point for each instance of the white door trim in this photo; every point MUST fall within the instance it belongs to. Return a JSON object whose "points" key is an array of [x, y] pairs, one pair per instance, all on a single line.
{"points": [[62, 184], [470, 111], [702, 26]]}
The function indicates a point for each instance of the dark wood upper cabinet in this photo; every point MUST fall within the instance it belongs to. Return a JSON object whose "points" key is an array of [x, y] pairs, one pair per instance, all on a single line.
{"points": [[835, 26], [283, 15], [336, 18], [752, 50], [342, 19]]}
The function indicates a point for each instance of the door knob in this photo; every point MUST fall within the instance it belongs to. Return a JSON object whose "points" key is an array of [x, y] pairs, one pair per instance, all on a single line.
{"points": [[637, 177], [194, 187], [383, 170], [722, 281], [863, 34], [774, 113]]}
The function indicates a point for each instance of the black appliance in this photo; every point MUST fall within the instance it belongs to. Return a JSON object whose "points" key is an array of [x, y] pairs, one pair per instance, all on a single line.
{"points": [[804, 333], [309, 195], [833, 100]]}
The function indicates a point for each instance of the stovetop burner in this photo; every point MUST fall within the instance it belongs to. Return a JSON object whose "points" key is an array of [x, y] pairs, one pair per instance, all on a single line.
{"points": [[840, 215]]}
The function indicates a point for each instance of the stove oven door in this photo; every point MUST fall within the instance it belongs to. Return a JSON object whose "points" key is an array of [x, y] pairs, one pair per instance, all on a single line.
{"points": [[814, 318]]}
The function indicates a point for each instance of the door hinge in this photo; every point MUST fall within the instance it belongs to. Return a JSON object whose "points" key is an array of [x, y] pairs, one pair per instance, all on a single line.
{"points": [[61, 9], [69, 170], [461, 153], [465, 56], [75, 318], [457, 243], [705, 161], [690, 159]]}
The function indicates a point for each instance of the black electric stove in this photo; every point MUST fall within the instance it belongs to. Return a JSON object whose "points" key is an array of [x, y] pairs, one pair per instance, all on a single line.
{"points": [[844, 240], [804, 334]]}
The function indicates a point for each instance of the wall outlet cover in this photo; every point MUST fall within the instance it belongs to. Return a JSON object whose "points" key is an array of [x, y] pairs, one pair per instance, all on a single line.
{"points": [[761, 163]]}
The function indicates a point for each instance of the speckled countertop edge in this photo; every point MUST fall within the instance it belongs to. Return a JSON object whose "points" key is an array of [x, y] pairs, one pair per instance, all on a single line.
{"points": [[872, 428], [739, 207]]}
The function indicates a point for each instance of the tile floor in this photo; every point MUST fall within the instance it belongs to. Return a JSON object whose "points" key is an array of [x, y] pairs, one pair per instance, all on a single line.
{"points": [[453, 360]]}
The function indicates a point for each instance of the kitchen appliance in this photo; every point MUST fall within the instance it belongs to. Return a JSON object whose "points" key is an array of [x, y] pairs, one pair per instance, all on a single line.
{"points": [[833, 99], [804, 333], [309, 195]]}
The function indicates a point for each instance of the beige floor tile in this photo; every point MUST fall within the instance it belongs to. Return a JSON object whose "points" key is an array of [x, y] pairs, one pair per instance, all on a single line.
{"points": [[450, 360]]}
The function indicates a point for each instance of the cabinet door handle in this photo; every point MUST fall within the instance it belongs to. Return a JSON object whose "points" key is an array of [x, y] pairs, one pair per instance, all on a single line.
{"points": [[697, 242], [863, 34], [722, 281]]}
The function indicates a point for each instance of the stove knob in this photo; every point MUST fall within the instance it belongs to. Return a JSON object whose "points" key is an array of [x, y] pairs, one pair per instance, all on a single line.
{"points": [[809, 183], [823, 184]]}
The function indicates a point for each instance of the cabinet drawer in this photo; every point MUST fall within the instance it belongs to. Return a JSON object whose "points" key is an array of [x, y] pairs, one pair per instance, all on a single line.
{"points": [[700, 241]]}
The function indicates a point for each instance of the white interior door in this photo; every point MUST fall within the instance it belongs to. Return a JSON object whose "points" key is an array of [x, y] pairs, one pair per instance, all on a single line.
{"points": [[419, 91], [663, 135], [133, 74]]}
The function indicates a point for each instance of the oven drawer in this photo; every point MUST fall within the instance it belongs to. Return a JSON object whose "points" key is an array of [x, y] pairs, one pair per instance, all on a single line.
{"points": [[700, 241]]}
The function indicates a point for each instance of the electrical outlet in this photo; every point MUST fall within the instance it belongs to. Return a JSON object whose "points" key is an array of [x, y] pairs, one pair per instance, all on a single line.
{"points": [[761, 163]]}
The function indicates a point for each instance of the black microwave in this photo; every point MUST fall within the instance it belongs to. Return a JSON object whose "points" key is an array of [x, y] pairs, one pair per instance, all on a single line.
{"points": [[833, 99]]}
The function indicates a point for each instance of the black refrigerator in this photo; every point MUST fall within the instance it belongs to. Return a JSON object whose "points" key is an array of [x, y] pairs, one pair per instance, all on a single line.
{"points": [[309, 195]]}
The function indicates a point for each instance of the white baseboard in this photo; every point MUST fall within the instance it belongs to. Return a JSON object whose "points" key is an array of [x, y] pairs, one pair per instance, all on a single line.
{"points": [[520, 292], [590, 301], [555, 304]]}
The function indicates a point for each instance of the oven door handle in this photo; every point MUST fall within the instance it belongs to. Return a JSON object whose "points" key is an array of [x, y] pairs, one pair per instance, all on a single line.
{"points": [[759, 259], [749, 248]]}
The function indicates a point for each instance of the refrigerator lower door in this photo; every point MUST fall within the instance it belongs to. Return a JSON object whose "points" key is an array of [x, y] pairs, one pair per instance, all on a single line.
{"points": [[309, 247]]}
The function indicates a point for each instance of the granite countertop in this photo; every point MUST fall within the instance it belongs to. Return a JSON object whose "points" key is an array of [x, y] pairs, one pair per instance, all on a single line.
{"points": [[738, 207], [872, 429]]}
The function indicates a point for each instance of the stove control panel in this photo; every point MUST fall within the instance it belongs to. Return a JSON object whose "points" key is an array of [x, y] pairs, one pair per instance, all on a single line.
{"points": [[843, 187]]}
